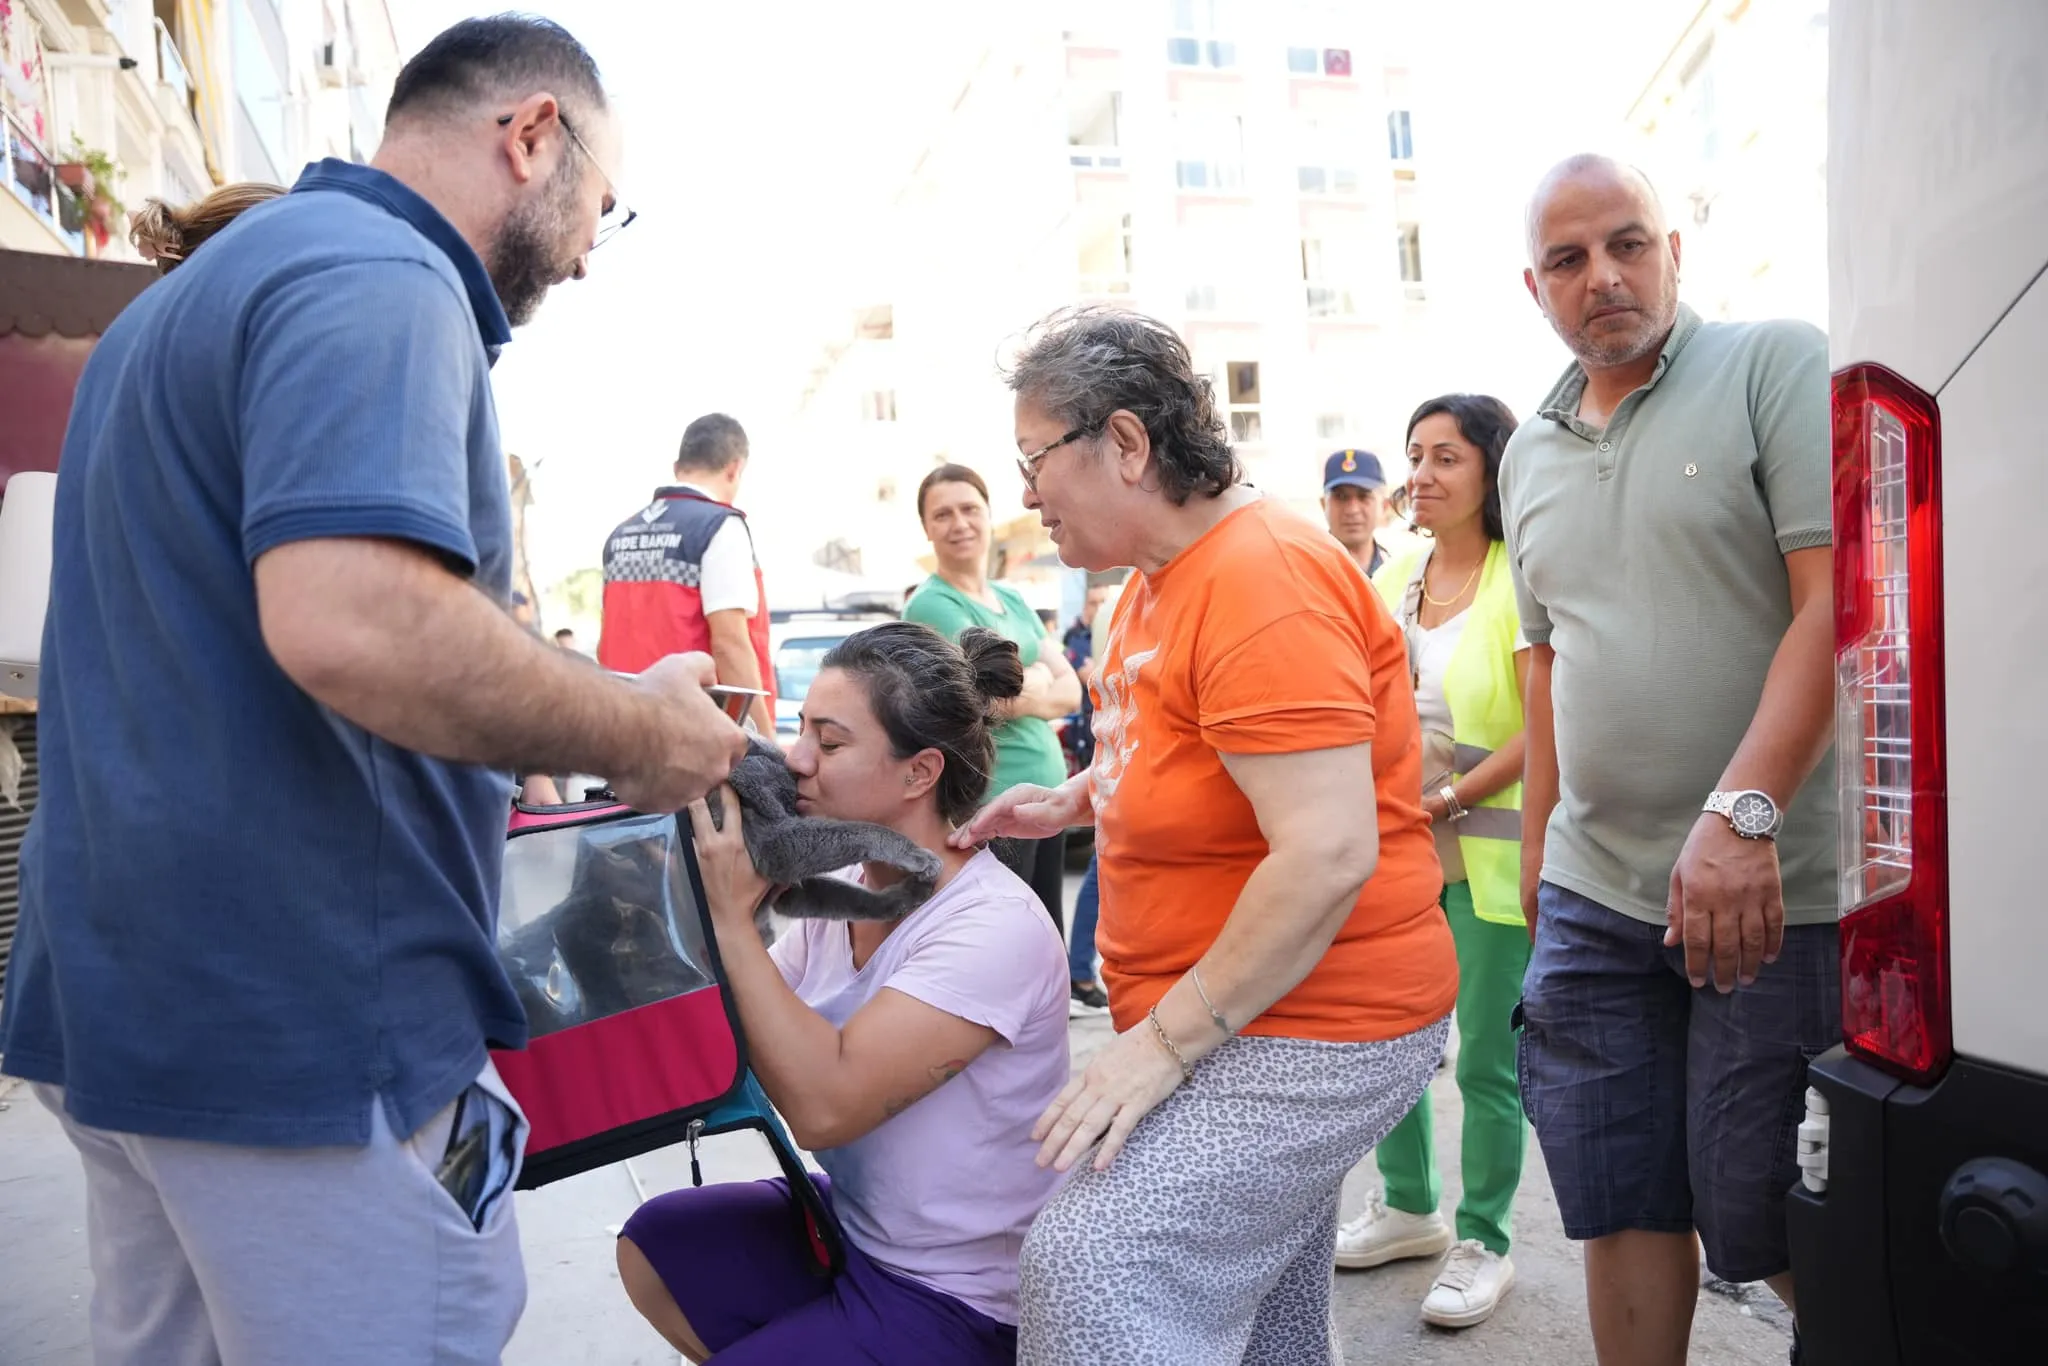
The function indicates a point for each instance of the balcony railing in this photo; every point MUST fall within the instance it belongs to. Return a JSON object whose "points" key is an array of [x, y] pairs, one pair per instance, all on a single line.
{"points": [[1331, 301], [1096, 158], [170, 67], [32, 176]]}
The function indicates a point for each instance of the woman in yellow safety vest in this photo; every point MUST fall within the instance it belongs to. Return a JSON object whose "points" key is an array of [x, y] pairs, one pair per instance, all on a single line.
{"points": [[1455, 600]]}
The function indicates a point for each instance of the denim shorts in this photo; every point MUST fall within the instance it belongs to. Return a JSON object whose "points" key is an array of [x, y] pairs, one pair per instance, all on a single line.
{"points": [[1665, 1108]]}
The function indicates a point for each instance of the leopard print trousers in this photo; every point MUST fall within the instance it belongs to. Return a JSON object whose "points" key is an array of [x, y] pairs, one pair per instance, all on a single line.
{"points": [[1208, 1242]]}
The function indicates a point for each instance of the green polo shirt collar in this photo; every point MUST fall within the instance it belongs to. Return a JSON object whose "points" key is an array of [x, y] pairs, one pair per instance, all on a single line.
{"points": [[1561, 404]]}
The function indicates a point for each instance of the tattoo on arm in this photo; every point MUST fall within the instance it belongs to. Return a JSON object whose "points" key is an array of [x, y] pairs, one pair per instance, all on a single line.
{"points": [[940, 1075]]}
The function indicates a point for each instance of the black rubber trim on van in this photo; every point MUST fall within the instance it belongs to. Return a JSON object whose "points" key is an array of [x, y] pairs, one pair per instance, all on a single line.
{"points": [[1875, 1284]]}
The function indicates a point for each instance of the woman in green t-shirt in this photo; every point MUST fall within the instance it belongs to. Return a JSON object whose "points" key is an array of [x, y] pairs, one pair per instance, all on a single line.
{"points": [[952, 502]]}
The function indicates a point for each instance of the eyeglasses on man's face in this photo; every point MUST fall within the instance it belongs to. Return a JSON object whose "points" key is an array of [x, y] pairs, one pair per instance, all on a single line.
{"points": [[1028, 465], [616, 215]]}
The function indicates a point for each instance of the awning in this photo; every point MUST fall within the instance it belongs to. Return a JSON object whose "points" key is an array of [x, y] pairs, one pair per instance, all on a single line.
{"points": [[52, 310]]}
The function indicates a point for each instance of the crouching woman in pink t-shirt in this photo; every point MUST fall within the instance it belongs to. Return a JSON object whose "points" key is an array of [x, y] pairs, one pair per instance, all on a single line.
{"points": [[911, 1056]]}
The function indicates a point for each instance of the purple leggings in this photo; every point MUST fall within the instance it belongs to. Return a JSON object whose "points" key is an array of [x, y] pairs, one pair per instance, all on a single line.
{"points": [[735, 1259]]}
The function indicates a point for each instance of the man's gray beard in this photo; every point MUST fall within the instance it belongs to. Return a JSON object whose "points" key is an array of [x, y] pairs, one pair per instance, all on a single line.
{"points": [[1622, 351]]}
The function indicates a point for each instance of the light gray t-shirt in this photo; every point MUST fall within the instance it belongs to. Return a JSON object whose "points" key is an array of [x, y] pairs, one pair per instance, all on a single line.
{"points": [[1650, 557]]}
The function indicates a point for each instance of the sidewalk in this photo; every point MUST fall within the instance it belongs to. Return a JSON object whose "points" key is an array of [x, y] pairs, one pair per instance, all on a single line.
{"points": [[576, 1314]]}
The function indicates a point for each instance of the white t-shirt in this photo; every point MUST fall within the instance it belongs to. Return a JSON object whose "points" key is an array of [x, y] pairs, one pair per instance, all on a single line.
{"points": [[726, 578], [1436, 645], [944, 1192]]}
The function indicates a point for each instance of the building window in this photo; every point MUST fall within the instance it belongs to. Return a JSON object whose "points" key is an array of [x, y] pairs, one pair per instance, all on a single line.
{"points": [[1195, 39], [1331, 271], [1106, 257], [1333, 427], [1408, 241], [878, 405], [1696, 91], [1092, 131], [260, 89], [1400, 136], [1208, 151], [885, 490], [1334, 62], [1329, 161], [1241, 399]]}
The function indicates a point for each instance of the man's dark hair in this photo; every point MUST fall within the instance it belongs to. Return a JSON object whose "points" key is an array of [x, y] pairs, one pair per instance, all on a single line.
{"points": [[1487, 423], [565, 631], [507, 56], [711, 443], [1083, 364], [929, 693]]}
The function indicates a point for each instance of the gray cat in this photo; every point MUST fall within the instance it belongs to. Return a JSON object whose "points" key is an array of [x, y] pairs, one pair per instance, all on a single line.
{"points": [[799, 852]]}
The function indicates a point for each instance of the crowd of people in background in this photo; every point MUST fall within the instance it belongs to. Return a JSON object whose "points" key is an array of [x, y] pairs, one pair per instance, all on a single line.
{"points": [[1548, 761]]}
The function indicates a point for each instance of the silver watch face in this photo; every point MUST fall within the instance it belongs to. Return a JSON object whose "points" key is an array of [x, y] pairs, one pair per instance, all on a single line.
{"points": [[1753, 814]]}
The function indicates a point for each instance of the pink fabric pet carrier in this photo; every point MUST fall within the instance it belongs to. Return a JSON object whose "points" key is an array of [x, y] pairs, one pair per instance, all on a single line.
{"points": [[634, 1044]]}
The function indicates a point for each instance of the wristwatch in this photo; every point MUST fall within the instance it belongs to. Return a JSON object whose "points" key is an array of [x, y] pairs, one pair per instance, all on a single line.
{"points": [[1750, 813]]}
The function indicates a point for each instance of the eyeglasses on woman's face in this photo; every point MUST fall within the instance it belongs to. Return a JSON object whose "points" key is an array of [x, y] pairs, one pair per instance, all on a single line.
{"points": [[1028, 465]]}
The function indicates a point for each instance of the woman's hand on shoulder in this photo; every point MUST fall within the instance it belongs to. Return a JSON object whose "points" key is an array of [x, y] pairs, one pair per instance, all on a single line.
{"points": [[733, 888], [1025, 812]]}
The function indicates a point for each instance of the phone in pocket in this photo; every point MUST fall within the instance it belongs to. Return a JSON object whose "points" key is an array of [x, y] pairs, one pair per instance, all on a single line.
{"points": [[482, 1156]]}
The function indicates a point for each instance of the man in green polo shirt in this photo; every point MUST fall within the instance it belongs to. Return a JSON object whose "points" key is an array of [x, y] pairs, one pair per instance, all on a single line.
{"points": [[1667, 517]]}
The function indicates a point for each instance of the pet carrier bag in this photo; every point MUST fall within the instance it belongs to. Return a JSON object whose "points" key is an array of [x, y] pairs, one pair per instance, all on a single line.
{"points": [[634, 1040]]}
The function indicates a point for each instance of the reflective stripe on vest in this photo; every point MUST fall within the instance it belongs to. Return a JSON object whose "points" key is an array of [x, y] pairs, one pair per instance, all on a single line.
{"points": [[1485, 699]]}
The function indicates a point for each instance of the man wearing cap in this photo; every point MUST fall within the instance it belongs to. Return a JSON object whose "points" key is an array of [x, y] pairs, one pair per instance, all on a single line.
{"points": [[1355, 503]]}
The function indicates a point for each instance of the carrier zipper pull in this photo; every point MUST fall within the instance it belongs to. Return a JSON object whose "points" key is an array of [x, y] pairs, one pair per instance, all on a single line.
{"points": [[690, 1136]]}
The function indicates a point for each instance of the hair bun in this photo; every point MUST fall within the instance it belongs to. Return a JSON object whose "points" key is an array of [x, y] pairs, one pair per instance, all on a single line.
{"points": [[168, 235], [998, 668], [157, 233]]}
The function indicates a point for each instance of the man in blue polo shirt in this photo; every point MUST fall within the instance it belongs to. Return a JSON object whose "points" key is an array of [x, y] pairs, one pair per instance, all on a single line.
{"points": [[281, 698]]}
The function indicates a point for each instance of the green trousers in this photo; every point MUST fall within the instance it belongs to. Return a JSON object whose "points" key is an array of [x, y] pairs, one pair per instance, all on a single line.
{"points": [[1491, 961]]}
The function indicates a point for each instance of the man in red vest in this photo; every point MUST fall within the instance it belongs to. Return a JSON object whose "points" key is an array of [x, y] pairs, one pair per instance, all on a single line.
{"points": [[681, 574]]}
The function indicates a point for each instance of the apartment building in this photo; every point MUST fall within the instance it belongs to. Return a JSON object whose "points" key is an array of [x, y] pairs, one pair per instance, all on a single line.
{"points": [[169, 98], [1254, 174], [1732, 127]]}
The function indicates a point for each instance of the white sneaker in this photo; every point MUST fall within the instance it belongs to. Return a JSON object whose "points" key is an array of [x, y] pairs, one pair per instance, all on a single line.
{"points": [[1468, 1287], [1382, 1235]]}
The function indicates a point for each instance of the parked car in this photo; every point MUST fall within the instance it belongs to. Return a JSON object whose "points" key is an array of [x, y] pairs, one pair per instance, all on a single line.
{"points": [[1919, 1228], [797, 644]]}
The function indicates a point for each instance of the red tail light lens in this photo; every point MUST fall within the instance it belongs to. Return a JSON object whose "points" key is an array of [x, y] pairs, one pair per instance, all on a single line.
{"points": [[1890, 723]]}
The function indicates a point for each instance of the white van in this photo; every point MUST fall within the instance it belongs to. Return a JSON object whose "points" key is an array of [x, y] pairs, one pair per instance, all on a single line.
{"points": [[1920, 1227]]}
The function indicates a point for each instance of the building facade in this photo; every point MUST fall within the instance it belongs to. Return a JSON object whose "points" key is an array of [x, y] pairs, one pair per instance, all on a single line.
{"points": [[1256, 175], [169, 98], [1732, 127]]}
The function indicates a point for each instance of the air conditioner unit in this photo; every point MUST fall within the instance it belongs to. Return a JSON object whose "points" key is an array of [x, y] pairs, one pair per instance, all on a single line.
{"points": [[27, 515]]}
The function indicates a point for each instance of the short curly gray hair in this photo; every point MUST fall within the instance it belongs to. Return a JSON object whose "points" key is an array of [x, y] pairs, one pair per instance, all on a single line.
{"points": [[1083, 364]]}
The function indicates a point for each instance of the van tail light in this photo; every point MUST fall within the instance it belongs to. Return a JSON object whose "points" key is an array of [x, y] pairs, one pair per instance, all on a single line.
{"points": [[1891, 723]]}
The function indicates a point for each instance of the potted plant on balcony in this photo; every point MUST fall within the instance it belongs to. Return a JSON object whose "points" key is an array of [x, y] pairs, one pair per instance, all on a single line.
{"points": [[90, 174]]}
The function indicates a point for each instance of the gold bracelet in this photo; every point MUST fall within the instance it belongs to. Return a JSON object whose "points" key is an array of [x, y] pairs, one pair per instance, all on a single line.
{"points": [[1187, 1071], [1214, 1014]]}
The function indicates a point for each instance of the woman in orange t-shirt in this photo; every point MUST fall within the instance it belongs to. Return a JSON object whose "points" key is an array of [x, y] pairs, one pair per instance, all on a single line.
{"points": [[1278, 971]]}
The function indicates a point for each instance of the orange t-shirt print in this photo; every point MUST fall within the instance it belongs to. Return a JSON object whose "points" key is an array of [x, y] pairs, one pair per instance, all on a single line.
{"points": [[1260, 638]]}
